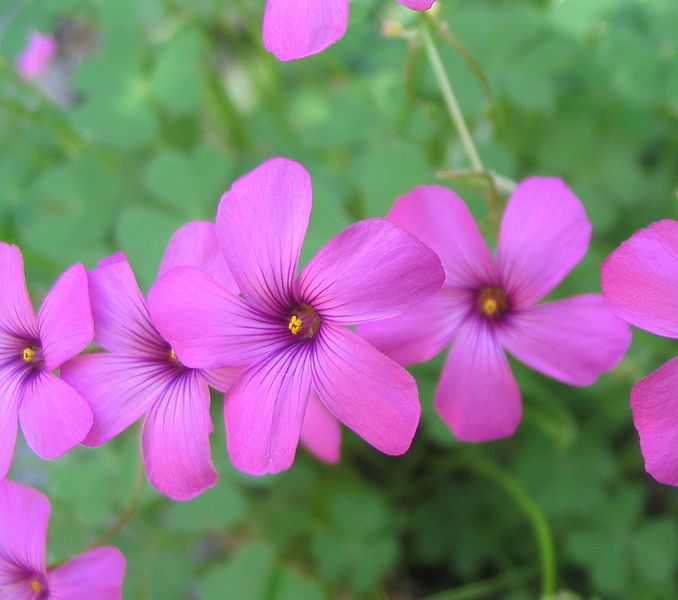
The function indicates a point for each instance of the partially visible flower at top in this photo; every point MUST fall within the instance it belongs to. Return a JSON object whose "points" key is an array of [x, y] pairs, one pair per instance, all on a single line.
{"points": [[489, 304], [296, 29], [36, 57], [640, 283], [24, 517], [289, 331], [54, 417], [141, 374]]}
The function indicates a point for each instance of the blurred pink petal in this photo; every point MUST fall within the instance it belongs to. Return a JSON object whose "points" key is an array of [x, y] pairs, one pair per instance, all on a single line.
{"points": [[439, 218], [544, 233], [417, 4], [572, 340], [65, 318], [478, 396], [54, 417], [35, 59], [176, 439], [420, 334], [16, 311], [640, 279], [94, 575], [9, 420], [371, 270], [196, 244], [295, 29], [261, 224], [321, 432], [654, 402], [366, 391], [264, 412]]}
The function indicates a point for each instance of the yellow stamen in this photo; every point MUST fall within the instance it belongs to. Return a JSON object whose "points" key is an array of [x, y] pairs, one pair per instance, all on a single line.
{"points": [[28, 355], [295, 325], [36, 586], [490, 306], [173, 355]]}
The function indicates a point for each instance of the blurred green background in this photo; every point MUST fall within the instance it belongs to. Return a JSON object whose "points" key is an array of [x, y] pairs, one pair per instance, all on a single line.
{"points": [[155, 106]]}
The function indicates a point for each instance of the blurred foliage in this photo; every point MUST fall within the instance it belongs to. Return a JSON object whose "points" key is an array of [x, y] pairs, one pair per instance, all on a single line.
{"points": [[177, 98]]}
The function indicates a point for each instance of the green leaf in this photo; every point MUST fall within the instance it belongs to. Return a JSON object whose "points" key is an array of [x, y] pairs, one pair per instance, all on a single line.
{"points": [[246, 575]]}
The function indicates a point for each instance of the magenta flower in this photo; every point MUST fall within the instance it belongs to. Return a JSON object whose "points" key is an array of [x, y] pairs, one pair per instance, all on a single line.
{"points": [[36, 57], [54, 417], [640, 279], [141, 375], [488, 305], [289, 332], [298, 28], [24, 516]]}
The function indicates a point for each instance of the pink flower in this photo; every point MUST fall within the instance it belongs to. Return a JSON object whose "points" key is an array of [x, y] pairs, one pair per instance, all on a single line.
{"points": [[36, 56], [298, 28], [141, 375], [24, 517], [488, 305], [640, 283], [54, 417], [289, 331]]}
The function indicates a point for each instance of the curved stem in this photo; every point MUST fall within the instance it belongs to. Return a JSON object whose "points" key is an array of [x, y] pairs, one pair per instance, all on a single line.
{"points": [[540, 526], [448, 95], [125, 516]]}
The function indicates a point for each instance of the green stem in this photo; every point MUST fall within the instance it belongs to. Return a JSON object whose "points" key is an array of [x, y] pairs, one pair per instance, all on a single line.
{"points": [[448, 95], [125, 516], [540, 526], [483, 589]]}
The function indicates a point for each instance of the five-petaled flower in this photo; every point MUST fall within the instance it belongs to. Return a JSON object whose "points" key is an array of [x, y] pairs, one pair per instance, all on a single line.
{"points": [[54, 417], [141, 375], [640, 279], [36, 57], [298, 28], [489, 304], [289, 332], [24, 517]]}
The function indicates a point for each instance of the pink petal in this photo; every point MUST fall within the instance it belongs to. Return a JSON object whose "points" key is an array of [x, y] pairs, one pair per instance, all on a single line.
{"points": [[365, 390], [321, 432], [372, 270], [16, 312], [544, 233], [9, 402], [420, 334], [196, 244], [264, 412], [222, 379], [640, 279], [95, 574], [35, 59], [572, 340], [298, 28], [477, 395], [120, 389], [54, 417], [176, 439], [417, 4], [65, 318], [261, 223], [24, 517], [207, 326], [440, 219], [654, 402], [121, 319]]}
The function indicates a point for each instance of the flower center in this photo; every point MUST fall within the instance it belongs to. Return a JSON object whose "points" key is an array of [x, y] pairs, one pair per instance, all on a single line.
{"points": [[492, 302], [36, 585], [173, 355], [304, 322], [28, 355]]}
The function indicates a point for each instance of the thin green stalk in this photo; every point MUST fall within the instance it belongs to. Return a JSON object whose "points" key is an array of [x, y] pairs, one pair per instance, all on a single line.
{"points": [[448, 95], [542, 531], [482, 589]]}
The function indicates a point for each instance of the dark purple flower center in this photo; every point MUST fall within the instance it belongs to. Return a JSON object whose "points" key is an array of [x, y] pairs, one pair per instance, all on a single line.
{"points": [[32, 355], [304, 322], [492, 303]]}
